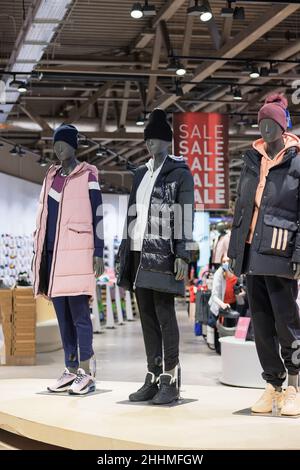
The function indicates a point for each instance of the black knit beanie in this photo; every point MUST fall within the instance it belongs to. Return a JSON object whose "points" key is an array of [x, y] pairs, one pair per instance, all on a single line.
{"points": [[66, 133], [158, 126]]}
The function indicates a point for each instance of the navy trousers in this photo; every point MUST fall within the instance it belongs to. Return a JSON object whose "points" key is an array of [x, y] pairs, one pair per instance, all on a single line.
{"points": [[73, 315]]}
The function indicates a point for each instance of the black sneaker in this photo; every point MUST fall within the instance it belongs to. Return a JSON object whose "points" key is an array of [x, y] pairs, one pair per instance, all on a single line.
{"points": [[147, 391], [168, 390]]}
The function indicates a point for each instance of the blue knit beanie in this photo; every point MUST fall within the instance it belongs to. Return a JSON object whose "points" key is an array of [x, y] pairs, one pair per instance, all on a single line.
{"points": [[66, 133]]}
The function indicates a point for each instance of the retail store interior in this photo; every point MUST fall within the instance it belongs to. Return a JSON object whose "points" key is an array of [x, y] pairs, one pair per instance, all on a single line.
{"points": [[90, 92]]}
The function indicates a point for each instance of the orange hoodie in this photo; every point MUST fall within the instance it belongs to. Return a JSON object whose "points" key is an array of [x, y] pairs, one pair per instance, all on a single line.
{"points": [[290, 140]]}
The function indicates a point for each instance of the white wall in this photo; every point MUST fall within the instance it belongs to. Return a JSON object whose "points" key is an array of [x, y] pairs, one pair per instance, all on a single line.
{"points": [[18, 205], [19, 202]]}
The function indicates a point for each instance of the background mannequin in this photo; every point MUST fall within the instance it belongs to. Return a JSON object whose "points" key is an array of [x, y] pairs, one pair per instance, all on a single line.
{"points": [[153, 257], [68, 247], [265, 244]]}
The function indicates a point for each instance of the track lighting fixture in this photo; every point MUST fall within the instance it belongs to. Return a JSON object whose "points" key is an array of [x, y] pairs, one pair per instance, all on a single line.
{"points": [[84, 143], [42, 161], [101, 151], [138, 11], [180, 70], [178, 88], [22, 88], [201, 9], [141, 119], [237, 94], [149, 10], [239, 13], [17, 150], [254, 72]]}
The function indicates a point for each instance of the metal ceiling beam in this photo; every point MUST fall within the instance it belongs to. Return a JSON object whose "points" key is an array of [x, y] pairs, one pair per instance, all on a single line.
{"points": [[154, 63], [124, 109], [35, 118], [256, 29], [165, 13], [78, 112]]}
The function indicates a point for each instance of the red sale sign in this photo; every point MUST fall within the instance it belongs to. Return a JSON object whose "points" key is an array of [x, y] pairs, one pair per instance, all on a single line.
{"points": [[202, 138]]}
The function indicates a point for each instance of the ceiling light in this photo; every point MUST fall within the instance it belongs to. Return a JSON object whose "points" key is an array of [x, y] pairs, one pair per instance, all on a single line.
{"points": [[254, 125], [239, 13], [180, 70], [101, 151], [254, 72], [14, 151], [84, 143], [140, 120], [42, 162], [136, 11], [149, 10], [22, 88], [203, 10], [237, 94]]}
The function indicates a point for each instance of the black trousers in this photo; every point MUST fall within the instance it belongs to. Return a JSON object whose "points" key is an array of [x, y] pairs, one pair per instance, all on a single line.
{"points": [[159, 325], [276, 322]]}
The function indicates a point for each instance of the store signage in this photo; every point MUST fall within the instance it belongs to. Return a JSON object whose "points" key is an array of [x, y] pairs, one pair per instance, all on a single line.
{"points": [[202, 138], [242, 328]]}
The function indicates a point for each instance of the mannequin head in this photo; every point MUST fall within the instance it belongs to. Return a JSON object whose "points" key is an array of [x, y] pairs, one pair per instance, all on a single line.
{"points": [[63, 151], [272, 118], [270, 130], [157, 146]]}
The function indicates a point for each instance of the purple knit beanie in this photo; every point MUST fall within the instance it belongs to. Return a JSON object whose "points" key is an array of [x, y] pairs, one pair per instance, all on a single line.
{"points": [[275, 108]]}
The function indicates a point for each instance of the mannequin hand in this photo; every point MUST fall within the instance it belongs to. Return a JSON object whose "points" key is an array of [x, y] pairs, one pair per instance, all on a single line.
{"points": [[98, 266], [232, 263], [296, 269], [224, 306], [180, 269]]}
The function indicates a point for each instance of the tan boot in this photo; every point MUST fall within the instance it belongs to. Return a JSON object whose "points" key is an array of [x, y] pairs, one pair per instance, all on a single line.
{"points": [[264, 404], [291, 403]]}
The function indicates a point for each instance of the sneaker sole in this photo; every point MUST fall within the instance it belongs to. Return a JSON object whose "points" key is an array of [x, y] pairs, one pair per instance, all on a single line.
{"points": [[90, 389], [165, 403], [64, 389]]}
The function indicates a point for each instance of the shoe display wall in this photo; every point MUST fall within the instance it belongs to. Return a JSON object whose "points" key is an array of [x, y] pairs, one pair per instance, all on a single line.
{"points": [[16, 254]]}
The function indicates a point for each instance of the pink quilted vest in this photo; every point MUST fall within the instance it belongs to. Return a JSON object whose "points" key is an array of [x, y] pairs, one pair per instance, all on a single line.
{"points": [[72, 266]]}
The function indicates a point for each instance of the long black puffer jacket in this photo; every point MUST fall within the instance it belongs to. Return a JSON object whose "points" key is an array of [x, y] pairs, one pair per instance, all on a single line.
{"points": [[276, 241], [173, 189]]}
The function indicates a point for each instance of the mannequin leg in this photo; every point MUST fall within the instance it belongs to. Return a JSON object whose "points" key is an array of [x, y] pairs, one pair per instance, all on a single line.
{"points": [[151, 330], [283, 294], [68, 332], [165, 311], [80, 311], [265, 333]]}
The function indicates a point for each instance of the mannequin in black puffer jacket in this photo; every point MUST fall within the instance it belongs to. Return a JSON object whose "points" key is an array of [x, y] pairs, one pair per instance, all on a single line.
{"points": [[154, 255]]}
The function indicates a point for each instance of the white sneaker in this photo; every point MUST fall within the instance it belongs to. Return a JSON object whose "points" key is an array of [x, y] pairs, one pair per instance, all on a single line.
{"points": [[83, 384], [291, 403], [63, 383], [264, 403]]}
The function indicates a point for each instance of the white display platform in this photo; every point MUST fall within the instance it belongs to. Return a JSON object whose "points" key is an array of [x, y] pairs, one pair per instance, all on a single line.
{"points": [[100, 422], [240, 363]]}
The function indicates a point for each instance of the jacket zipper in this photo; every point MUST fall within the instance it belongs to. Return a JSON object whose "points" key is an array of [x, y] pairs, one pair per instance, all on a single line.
{"points": [[137, 271], [56, 240], [37, 239]]}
